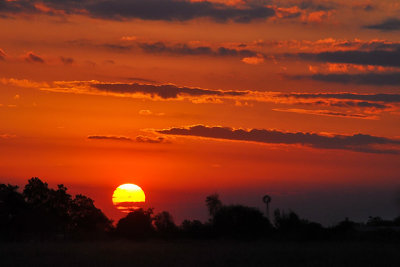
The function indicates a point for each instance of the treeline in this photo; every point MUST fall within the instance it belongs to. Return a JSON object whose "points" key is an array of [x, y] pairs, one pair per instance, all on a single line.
{"points": [[41, 213]]}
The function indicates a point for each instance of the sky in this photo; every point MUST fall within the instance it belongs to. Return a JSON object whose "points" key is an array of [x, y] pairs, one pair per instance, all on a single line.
{"points": [[297, 99]]}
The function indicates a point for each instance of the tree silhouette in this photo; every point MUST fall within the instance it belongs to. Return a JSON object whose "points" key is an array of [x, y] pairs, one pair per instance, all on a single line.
{"points": [[213, 204], [290, 226], [136, 225], [48, 208], [85, 217], [197, 229], [42, 212], [12, 211], [164, 223], [240, 221]]}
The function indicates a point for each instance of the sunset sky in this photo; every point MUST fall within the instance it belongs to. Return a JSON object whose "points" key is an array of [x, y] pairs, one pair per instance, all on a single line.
{"points": [[296, 99]]}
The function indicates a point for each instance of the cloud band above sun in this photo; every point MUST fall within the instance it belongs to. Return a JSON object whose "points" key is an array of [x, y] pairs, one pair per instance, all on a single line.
{"points": [[357, 142]]}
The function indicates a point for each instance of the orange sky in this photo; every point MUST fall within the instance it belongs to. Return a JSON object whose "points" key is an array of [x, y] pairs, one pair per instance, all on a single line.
{"points": [[298, 99]]}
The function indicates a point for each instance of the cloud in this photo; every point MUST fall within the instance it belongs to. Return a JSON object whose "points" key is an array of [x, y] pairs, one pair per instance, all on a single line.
{"points": [[253, 60], [317, 5], [172, 10], [166, 10], [146, 112], [67, 60], [33, 58], [141, 80], [162, 91], [129, 38], [376, 79], [342, 102], [328, 113], [387, 98], [2, 54], [356, 142], [110, 137], [185, 49], [328, 44], [391, 24], [389, 58], [316, 17], [7, 136], [151, 140], [166, 91], [135, 90], [137, 139]]}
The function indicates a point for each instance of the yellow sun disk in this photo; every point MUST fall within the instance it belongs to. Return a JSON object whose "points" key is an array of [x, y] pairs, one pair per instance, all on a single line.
{"points": [[127, 193]]}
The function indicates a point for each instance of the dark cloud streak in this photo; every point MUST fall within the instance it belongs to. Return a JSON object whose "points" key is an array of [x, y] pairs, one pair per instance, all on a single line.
{"points": [[357, 142], [386, 98], [165, 10], [108, 137], [164, 91], [375, 79], [391, 24], [184, 49], [375, 57], [33, 58]]}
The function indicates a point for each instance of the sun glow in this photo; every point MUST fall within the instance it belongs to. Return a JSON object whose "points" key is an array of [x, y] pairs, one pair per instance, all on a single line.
{"points": [[128, 197]]}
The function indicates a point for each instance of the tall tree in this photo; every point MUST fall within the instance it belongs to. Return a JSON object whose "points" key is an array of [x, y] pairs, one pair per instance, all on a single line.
{"points": [[213, 204]]}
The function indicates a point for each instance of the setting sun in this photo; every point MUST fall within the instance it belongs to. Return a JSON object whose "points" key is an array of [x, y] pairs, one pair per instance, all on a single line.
{"points": [[127, 197]]}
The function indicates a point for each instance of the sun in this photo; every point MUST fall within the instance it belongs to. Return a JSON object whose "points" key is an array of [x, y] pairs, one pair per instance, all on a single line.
{"points": [[128, 197]]}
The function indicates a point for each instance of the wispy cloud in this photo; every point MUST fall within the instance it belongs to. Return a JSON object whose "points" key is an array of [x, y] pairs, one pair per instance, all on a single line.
{"points": [[372, 78], [163, 91], [164, 10], [328, 113], [185, 49], [357, 142], [152, 140], [338, 103], [390, 58], [137, 139], [2, 54], [33, 58], [390, 24], [386, 98], [7, 136], [110, 137]]}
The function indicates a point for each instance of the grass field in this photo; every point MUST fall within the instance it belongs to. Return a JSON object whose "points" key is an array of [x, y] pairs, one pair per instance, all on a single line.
{"points": [[199, 253]]}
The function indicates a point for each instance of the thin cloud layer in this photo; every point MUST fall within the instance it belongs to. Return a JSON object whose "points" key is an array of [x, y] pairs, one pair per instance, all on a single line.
{"points": [[338, 103], [356, 142], [328, 113], [165, 10], [391, 24], [110, 137], [137, 139], [163, 91], [2, 54], [375, 57], [151, 140], [376, 79], [185, 49], [33, 58], [387, 98]]}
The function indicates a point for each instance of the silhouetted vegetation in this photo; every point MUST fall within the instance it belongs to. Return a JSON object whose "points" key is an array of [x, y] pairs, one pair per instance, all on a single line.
{"points": [[42, 213], [136, 225]]}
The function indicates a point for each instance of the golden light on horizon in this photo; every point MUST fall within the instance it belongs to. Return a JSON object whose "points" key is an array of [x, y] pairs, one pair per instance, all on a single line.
{"points": [[128, 197]]}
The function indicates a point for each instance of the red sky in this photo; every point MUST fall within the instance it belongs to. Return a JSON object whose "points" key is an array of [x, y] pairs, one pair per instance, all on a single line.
{"points": [[297, 99]]}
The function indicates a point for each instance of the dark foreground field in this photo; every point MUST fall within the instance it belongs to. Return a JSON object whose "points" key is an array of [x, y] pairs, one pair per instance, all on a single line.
{"points": [[199, 253]]}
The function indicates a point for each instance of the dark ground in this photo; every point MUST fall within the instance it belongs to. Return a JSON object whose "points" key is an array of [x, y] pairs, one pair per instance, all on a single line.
{"points": [[199, 253]]}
